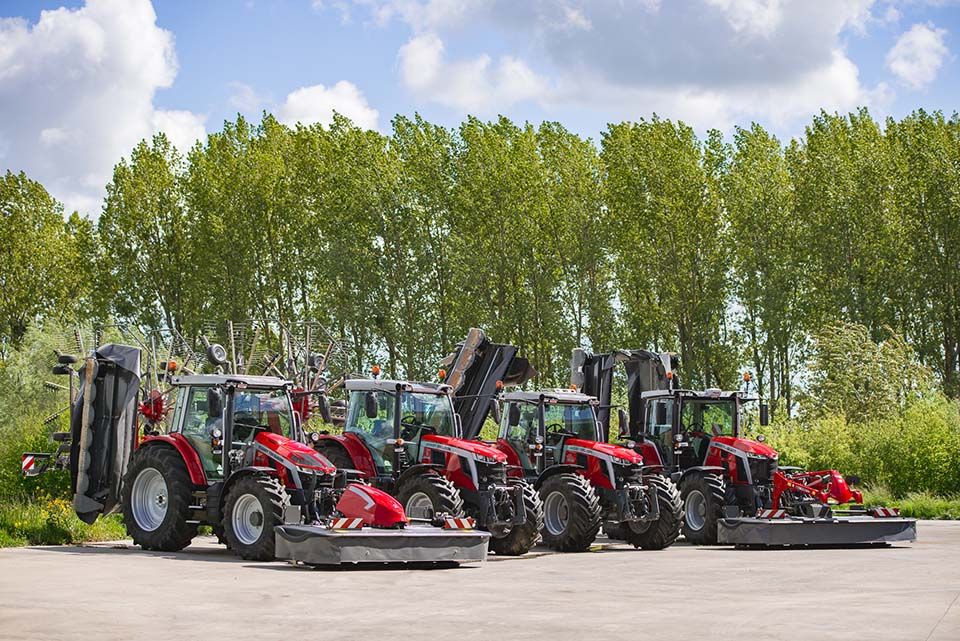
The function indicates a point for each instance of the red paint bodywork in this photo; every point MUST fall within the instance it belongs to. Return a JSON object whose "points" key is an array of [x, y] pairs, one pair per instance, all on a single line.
{"points": [[296, 452], [453, 467], [514, 464], [357, 450], [375, 507], [597, 470], [190, 457]]}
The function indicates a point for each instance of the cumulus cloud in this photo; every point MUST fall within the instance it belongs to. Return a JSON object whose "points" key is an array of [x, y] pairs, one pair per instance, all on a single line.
{"points": [[471, 84], [916, 57], [708, 61], [76, 94], [317, 103], [245, 98]]}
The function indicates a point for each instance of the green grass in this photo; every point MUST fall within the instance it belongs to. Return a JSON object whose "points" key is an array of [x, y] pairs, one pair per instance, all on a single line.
{"points": [[919, 505], [52, 522]]}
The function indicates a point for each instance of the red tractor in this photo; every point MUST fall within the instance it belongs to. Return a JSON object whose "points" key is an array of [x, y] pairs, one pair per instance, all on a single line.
{"points": [[732, 487], [406, 439], [552, 439], [232, 456]]}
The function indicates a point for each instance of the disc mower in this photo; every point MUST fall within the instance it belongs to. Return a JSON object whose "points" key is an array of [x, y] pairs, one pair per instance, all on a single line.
{"points": [[229, 452], [732, 487], [405, 438]]}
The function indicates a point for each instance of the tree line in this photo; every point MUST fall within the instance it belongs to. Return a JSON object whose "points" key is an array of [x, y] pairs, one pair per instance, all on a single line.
{"points": [[733, 252]]}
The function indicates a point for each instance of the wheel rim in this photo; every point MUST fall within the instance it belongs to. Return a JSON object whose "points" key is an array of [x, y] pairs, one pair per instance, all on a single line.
{"points": [[247, 519], [149, 499], [695, 508], [556, 513], [419, 506]]}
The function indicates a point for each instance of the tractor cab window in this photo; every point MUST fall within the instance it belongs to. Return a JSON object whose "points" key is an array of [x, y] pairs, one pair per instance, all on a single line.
{"points": [[267, 410], [425, 413], [702, 420], [659, 427], [524, 433], [203, 413], [578, 421], [374, 431]]}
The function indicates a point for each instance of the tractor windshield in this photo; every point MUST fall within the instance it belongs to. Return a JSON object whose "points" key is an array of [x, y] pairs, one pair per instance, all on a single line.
{"points": [[708, 417], [572, 420], [267, 409]]}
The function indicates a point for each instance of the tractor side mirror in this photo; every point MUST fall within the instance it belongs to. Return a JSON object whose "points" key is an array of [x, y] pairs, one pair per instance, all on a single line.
{"points": [[323, 405], [495, 410], [661, 413], [623, 423], [214, 402], [764, 414], [514, 416], [370, 405]]}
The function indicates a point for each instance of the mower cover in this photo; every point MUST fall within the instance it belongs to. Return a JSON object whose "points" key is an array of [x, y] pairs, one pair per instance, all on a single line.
{"points": [[835, 531]]}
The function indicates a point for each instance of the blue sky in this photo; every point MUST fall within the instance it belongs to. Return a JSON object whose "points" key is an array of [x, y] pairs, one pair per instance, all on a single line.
{"points": [[81, 82]]}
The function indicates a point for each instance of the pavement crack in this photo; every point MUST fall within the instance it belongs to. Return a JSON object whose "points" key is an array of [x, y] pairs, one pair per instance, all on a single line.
{"points": [[943, 616]]}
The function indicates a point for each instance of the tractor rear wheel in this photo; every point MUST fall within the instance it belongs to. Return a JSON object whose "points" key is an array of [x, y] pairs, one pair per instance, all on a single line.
{"points": [[254, 506], [571, 513], [521, 538], [659, 534], [426, 495], [703, 497], [156, 498]]}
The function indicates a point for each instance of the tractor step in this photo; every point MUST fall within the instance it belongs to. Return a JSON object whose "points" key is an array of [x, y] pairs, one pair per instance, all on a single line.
{"points": [[796, 531], [318, 545]]}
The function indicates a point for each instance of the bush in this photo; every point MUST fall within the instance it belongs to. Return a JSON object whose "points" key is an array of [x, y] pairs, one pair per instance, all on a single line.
{"points": [[919, 505], [51, 521]]}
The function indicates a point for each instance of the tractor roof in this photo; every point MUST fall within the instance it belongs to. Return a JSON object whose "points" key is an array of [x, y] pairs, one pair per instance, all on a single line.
{"points": [[223, 379], [388, 385], [550, 395], [705, 394]]}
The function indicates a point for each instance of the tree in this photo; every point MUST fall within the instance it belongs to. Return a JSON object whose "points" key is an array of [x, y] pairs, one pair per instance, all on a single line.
{"points": [[42, 273]]}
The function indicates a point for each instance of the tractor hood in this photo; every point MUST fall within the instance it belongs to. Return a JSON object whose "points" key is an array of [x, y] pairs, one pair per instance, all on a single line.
{"points": [[605, 450], [466, 447], [296, 452], [748, 446]]}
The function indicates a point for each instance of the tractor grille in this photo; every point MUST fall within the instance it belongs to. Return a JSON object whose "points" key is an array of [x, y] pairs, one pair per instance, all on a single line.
{"points": [[492, 474], [762, 469]]}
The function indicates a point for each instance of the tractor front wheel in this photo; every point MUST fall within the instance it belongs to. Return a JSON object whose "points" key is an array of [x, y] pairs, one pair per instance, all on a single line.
{"points": [[253, 508], [703, 496], [571, 513], [156, 500], [427, 495], [521, 538], [661, 533]]}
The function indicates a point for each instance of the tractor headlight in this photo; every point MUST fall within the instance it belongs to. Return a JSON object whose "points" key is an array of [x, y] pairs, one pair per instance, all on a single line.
{"points": [[489, 460]]}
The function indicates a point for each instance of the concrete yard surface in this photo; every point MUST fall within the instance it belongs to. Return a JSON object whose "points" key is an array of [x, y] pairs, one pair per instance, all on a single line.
{"points": [[116, 591]]}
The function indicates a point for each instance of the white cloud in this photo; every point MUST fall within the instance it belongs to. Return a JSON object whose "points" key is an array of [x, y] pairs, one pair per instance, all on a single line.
{"points": [[183, 128], [76, 94], [707, 61], [245, 98], [471, 84], [918, 54], [317, 103]]}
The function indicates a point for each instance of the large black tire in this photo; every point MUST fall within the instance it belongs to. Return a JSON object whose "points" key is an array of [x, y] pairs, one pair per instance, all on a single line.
{"points": [[661, 533], [521, 538], [613, 530], [703, 499], [254, 506], [572, 517], [425, 495], [156, 497]]}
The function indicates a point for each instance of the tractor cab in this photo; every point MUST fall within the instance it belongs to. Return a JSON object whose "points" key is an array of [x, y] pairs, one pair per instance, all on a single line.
{"points": [[537, 426], [681, 424], [392, 418], [214, 410]]}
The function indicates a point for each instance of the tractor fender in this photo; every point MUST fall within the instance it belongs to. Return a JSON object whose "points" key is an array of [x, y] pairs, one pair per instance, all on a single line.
{"points": [[239, 474], [354, 448], [417, 470], [189, 455], [676, 477], [553, 470]]}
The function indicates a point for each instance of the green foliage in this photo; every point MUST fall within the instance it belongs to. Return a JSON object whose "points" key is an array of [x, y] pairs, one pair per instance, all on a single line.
{"points": [[919, 505], [46, 521]]}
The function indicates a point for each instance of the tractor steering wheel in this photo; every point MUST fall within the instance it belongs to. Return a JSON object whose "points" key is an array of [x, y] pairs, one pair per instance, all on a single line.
{"points": [[556, 432], [409, 427]]}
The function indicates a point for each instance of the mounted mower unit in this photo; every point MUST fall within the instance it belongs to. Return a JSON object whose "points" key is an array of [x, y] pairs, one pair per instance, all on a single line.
{"points": [[552, 439], [733, 490], [406, 439], [233, 457]]}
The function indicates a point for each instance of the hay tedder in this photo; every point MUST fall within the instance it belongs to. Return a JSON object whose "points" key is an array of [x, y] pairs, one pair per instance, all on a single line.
{"points": [[228, 450], [733, 490]]}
